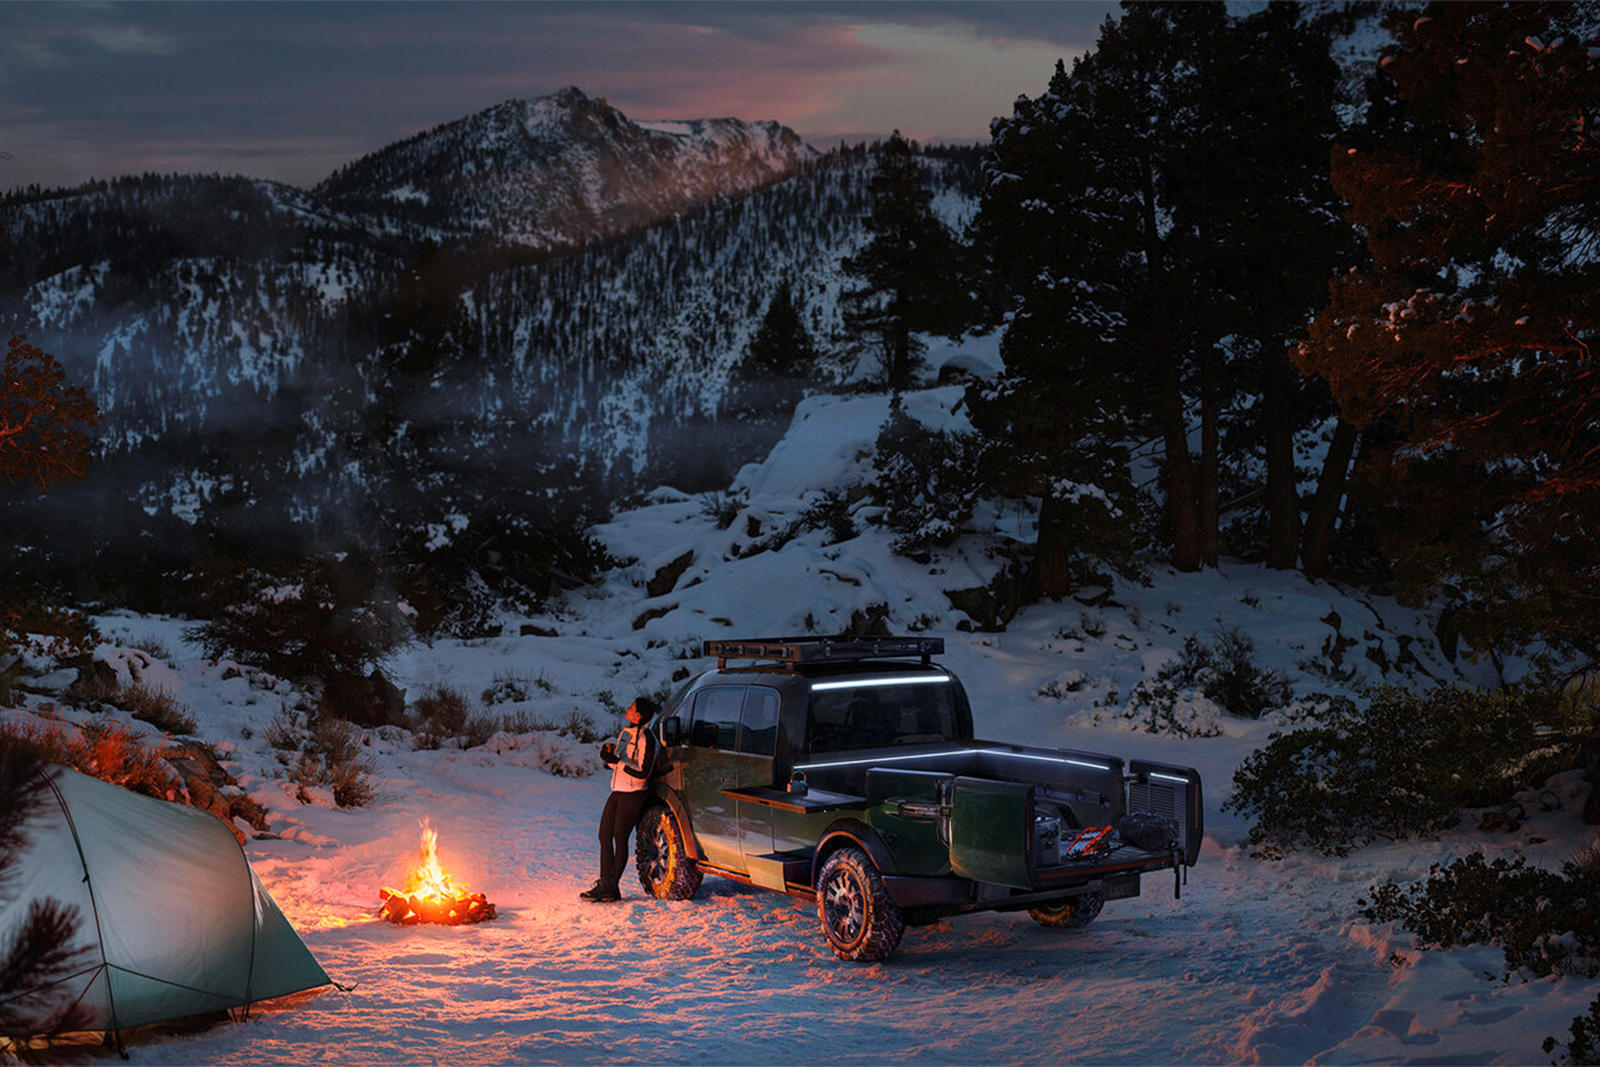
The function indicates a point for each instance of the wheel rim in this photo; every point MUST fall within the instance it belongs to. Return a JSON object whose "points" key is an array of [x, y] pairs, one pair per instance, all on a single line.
{"points": [[661, 844], [844, 899]]}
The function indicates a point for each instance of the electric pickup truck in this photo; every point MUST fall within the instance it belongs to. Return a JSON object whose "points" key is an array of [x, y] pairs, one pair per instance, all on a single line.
{"points": [[845, 771]]}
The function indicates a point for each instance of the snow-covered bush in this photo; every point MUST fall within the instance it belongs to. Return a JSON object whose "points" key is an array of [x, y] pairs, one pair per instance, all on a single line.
{"points": [[1583, 1041], [1399, 766], [1161, 707], [329, 617], [926, 482], [513, 687], [559, 752], [30, 627], [1224, 669], [831, 512], [1546, 922]]}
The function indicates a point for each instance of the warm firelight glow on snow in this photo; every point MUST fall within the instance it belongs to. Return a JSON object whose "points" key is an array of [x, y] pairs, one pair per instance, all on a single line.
{"points": [[431, 896]]}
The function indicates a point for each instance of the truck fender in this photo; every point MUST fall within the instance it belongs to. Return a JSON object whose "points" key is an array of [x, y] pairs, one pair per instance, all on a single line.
{"points": [[680, 811], [853, 832]]}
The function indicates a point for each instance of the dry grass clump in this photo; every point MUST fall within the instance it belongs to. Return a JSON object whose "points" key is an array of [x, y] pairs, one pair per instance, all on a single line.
{"points": [[329, 755], [156, 707], [443, 713], [578, 727], [106, 751]]}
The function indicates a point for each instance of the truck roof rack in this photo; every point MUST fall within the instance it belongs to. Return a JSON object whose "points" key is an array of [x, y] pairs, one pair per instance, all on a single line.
{"points": [[797, 650]]}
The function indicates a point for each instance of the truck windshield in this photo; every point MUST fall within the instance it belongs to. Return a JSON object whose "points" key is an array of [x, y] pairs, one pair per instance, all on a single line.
{"points": [[873, 714]]}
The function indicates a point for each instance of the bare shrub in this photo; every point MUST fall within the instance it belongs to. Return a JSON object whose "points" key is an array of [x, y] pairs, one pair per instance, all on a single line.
{"points": [[511, 687], [579, 728], [156, 707], [155, 648], [332, 757], [443, 709], [105, 751], [284, 733], [478, 730], [523, 721]]}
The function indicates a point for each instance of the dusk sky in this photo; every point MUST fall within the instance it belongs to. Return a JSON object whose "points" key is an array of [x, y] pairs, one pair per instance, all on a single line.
{"points": [[291, 91]]}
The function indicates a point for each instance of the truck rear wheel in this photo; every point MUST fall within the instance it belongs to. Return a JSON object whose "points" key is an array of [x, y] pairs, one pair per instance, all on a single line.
{"points": [[859, 920], [665, 869], [1071, 914]]}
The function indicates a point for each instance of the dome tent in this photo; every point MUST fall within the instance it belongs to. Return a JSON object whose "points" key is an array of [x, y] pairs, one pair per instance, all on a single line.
{"points": [[172, 920]]}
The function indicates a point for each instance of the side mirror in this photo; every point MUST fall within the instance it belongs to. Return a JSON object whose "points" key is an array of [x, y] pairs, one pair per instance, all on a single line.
{"points": [[672, 732]]}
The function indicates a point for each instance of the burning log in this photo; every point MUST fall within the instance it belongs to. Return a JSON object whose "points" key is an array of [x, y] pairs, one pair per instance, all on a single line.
{"points": [[430, 896]]}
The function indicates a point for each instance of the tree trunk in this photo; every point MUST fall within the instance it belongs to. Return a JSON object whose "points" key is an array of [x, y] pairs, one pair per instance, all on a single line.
{"points": [[1210, 517], [1283, 502], [1181, 489], [1052, 553], [1325, 505], [1182, 496]]}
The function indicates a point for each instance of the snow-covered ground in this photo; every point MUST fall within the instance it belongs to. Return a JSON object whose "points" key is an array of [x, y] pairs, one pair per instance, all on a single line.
{"points": [[1258, 962]]}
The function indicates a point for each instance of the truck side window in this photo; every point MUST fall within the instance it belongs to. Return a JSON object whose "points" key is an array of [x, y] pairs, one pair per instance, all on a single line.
{"points": [[758, 733], [716, 717]]}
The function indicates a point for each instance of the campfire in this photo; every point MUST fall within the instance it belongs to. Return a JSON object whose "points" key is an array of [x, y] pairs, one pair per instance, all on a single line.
{"points": [[430, 896]]}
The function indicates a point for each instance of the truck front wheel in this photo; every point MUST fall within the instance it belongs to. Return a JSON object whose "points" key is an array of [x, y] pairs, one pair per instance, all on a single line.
{"points": [[858, 918], [662, 858], [1072, 914]]}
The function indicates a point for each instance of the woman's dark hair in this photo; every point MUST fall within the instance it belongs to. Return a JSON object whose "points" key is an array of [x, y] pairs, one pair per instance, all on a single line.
{"points": [[647, 708]]}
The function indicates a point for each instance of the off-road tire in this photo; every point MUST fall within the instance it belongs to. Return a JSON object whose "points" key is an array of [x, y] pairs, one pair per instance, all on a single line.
{"points": [[666, 871], [1072, 914], [859, 920]]}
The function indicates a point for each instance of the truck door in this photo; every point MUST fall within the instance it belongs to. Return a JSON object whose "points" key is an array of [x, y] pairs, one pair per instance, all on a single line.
{"points": [[990, 832], [758, 740], [713, 766]]}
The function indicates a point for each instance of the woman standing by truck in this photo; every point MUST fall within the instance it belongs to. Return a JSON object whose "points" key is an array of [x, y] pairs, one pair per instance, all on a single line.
{"points": [[630, 757]]}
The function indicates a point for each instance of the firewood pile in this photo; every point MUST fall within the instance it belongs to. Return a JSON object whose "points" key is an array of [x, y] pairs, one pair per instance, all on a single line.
{"points": [[399, 908]]}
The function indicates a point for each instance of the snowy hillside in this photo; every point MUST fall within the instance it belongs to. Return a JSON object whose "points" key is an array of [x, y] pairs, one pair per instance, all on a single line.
{"points": [[1258, 962], [256, 346]]}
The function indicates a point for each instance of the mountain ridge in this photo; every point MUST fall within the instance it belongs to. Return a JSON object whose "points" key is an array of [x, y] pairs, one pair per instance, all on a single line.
{"points": [[560, 170]]}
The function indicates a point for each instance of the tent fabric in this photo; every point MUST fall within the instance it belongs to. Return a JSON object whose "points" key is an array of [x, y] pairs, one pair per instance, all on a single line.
{"points": [[172, 919]]}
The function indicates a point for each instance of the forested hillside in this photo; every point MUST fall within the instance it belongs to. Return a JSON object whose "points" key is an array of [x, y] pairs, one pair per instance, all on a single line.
{"points": [[408, 359]]}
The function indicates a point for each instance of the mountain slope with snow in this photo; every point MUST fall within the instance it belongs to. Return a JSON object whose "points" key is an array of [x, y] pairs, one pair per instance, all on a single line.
{"points": [[560, 171]]}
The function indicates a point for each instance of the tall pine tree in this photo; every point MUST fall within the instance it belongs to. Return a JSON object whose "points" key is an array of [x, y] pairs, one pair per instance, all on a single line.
{"points": [[1470, 332], [907, 269], [1162, 207]]}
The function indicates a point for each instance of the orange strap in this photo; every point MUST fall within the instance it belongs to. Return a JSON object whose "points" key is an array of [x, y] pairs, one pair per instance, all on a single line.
{"points": [[1087, 841]]}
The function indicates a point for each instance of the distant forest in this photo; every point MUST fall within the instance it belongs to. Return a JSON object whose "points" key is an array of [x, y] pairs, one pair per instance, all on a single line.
{"points": [[1251, 302]]}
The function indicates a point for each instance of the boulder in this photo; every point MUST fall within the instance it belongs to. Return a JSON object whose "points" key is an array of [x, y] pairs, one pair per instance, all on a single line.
{"points": [[666, 578]]}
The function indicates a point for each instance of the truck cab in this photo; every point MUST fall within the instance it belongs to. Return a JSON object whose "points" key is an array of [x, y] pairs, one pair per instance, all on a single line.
{"points": [[846, 771]]}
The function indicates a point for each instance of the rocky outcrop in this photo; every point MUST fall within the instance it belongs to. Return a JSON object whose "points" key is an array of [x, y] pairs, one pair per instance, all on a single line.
{"points": [[210, 787]]}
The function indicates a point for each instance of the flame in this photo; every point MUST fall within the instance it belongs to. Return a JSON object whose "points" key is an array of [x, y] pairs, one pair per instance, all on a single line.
{"points": [[430, 881], [431, 895]]}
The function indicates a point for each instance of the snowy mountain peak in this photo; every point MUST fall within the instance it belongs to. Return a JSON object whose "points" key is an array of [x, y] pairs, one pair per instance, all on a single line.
{"points": [[560, 170]]}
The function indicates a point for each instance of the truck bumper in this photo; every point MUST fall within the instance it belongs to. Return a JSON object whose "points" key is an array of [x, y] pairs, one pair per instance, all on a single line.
{"points": [[910, 891]]}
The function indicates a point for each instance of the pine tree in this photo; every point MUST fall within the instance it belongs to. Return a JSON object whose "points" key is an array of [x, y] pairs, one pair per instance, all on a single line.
{"points": [[1470, 331], [38, 955], [1077, 223], [1254, 199], [907, 268], [780, 360], [44, 423], [1159, 220]]}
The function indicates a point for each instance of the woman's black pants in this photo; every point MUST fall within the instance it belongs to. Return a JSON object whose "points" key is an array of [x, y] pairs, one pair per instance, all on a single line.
{"points": [[617, 821]]}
